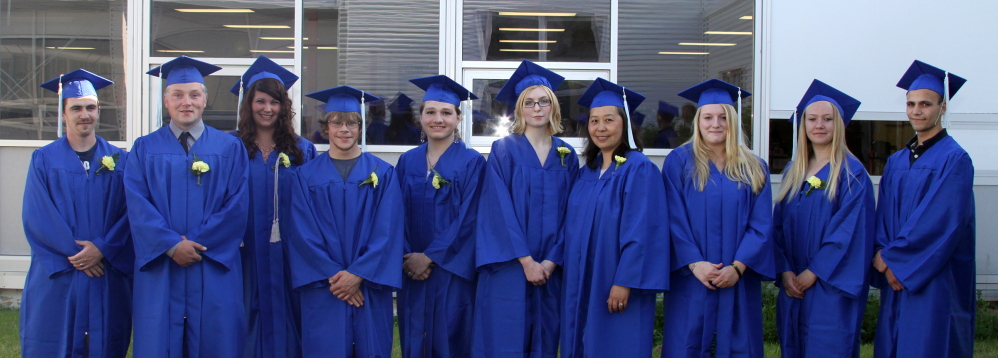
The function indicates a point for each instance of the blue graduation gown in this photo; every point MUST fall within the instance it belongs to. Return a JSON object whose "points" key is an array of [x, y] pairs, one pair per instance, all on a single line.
{"points": [[165, 202], [435, 314], [521, 212], [926, 229], [60, 304], [342, 225], [616, 233], [723, 223], [833, 239], [273, 319]]}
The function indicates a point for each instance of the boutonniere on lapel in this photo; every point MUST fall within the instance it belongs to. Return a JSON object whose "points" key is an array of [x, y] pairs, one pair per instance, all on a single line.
{"points": [[282, 159], [371, 179], [620, 160], [562, 152], [199, 167], [815, 183], [108, 162], [438, 180]]}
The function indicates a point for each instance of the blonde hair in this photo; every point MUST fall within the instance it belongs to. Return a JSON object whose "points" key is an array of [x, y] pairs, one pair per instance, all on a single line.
{"points": [[794, 174], [554, 124], [740, 164]]}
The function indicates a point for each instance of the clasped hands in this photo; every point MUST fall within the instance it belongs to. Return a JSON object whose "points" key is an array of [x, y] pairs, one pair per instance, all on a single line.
{"points": [[89, 259], [881, 266], [715, 276], [537, 273]]}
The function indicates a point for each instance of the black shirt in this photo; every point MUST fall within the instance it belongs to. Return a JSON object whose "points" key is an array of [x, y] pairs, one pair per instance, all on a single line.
{"points": [[918, 150], [87, 157]]}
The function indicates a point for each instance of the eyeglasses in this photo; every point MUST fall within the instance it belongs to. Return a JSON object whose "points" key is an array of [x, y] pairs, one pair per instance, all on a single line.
{"points": [[542, 103], [349, 124]]}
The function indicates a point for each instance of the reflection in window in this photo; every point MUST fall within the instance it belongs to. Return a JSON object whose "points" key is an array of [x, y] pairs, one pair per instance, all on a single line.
{"points": [[375, 46], [667, 46], [212, 28], [871, 141], [562, 30], [39, 40], [220, 112], [494, 118]]}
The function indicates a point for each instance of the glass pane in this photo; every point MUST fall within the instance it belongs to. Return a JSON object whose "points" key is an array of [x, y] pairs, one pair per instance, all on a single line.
{"points": [[382, 50], [207, 28], [39, 40], [560, 30], [495, 118], [220, 112], [667, 46], [870, 141]]}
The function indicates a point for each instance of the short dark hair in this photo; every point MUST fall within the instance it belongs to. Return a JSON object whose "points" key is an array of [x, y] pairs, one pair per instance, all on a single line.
{"points": [[592, 151]]}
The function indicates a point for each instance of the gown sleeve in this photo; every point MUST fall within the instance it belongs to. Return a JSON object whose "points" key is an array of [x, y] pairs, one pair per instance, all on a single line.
{"points": [[756, 249], [454, 248], [50, 236], [381, 260], [843, 259], [684, 249], [557, 252], [308, 259], [644, 235], [498, 235]]}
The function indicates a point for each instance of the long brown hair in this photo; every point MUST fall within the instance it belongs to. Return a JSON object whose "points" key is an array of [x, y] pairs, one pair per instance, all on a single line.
{"points": [[285, 139]]}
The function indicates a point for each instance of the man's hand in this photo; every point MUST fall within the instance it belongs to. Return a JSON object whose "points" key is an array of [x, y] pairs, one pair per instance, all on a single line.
{"points": [[346, 286], [417, 266], [806, 280], [893, 280], [789, 280], [88, 259], [618, 298], [878, 262], [188, 252], [535, 272], [706, 272]]}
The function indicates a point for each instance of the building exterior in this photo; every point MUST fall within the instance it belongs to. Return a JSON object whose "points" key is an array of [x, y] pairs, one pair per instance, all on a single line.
{"points": [[772, 48]]}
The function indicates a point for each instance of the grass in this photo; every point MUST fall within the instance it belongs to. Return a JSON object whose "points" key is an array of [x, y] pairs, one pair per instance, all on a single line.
{"points": [[983, 346]]}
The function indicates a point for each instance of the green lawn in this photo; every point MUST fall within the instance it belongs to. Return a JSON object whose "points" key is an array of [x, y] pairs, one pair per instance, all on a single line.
{"points": [[10, 347]]}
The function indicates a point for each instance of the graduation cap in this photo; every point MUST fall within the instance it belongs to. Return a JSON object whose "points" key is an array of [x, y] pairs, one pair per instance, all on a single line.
{"points": [[820, 91], [183, 69], [75, 84], [921, 75], [605, 93], [262, 68], [637, 118], [527, 75], [441, 88], [715, 91], [347, 99], [400, 103], [665, 107]]}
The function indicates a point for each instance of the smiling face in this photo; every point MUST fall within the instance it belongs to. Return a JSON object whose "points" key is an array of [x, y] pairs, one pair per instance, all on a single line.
{"points": [[81, 115], [819, 122], [185, 102], [924, 109], [713, 124], [265, 109], [606, 127], [439, 120], [344, 133]]}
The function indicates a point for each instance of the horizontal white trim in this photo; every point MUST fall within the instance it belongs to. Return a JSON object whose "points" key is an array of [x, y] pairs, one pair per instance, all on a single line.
{"points": [[956, 118], [512, 65], [38, 143]]}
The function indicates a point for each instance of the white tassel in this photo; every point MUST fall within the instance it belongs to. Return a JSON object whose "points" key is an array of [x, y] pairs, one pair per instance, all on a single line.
{"points": [[946, 123], [466, 136], [275, 228], [239, 104], [58, 117], [159, 107], [738, 121], [627, 111], [793, 122], [275, 231], [363, 124]]}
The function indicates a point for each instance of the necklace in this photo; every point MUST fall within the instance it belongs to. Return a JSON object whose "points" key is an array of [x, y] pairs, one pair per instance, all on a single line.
{"points": [[265, 151]]}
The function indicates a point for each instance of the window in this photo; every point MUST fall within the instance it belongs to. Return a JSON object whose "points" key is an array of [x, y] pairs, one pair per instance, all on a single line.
{"points": [[222, 29], [41, 40], [870, 141]]}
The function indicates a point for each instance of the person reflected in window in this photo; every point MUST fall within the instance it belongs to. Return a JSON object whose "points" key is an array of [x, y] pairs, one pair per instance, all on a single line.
{"points": [[720, 219], [77, 299], [616, 243], [924, 253], [403, 129], [519, 245], [667, 136], [440, 182], [266, 128], [823, 232], [346, 238]]}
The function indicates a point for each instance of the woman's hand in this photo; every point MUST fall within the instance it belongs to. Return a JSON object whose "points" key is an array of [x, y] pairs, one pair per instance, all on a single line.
{"points": [[706, 272], [535, 272], [789, 280], [618, 298], [805, 280]]}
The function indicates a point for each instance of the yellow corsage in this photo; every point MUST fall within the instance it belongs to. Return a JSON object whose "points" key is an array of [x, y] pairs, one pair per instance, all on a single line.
{"points": [[283, 159], [815, 183], [438, 180], [108, 162], [620, 160], [371, 179], [199, 167], [563, 151]]}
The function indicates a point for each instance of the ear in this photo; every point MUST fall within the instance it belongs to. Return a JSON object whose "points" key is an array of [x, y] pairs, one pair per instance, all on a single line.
{"points": [[942, 110]]}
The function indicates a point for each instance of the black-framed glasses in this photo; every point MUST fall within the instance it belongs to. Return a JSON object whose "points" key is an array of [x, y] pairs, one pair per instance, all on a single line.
{"points": [[349, 124], [542, 103]]}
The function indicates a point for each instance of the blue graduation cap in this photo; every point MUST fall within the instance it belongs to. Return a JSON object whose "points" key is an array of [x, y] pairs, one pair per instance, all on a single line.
{"points": [[441, 88], [637, 118], [819, 91], [921, 75], [77, 83], [527, 75], [342, 98], [400, 103], [605, 93], [262, 68], [713, 91], [184, 69], [665, 107]]}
